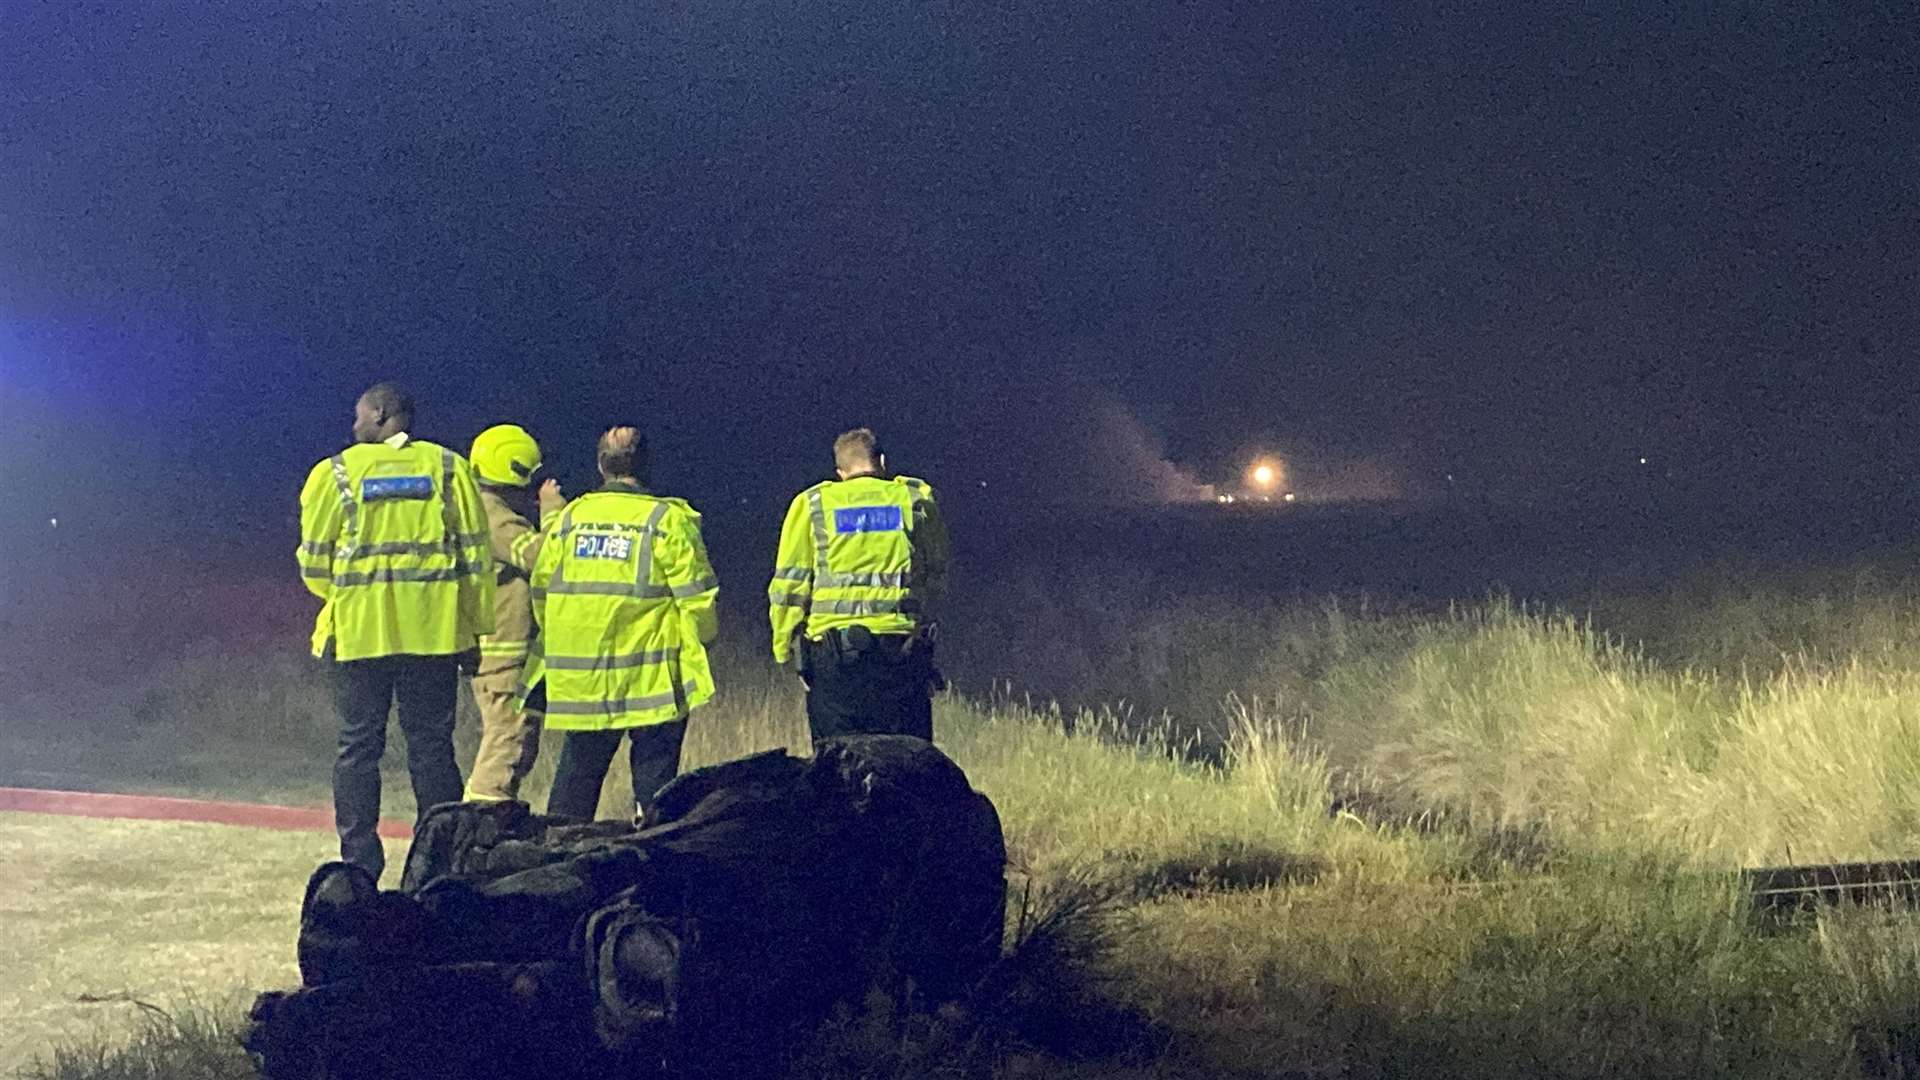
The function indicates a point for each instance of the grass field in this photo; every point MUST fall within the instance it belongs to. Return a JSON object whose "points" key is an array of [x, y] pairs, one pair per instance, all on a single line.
{"points": [[107, 919], [1494, 842]]}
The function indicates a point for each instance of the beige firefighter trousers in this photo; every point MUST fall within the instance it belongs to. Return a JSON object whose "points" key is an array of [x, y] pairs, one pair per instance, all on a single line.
{"points": [[509, 739]]}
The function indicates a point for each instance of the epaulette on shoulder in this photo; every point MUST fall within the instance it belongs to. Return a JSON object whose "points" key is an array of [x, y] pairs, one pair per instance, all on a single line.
{"points": [[680, 504]]}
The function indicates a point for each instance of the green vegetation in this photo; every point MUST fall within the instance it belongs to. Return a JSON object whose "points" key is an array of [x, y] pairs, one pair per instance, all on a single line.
{"points": [[108, 921], [1495, 842], [1527, 720], [195, 1041]]}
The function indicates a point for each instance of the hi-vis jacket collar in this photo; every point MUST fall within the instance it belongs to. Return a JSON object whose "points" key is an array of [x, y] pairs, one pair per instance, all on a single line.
{"points": [[398, 440], [625, 487]]}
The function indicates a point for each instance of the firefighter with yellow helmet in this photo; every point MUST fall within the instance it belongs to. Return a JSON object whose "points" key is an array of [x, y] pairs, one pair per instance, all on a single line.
{"points": [[505, 460], [861, 559], [393, 540], [625, 599]]}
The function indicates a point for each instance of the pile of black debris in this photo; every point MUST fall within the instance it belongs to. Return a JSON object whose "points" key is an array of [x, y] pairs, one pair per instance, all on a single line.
{"points": [[711, 940]]}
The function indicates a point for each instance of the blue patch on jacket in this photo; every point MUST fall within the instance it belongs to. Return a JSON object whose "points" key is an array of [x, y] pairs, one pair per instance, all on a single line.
{"points": [[859, 519], [602, 546], [377, 488]]}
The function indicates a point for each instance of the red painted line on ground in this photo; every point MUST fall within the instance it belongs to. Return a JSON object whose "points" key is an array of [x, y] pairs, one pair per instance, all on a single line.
{"points": [[162, 808]]}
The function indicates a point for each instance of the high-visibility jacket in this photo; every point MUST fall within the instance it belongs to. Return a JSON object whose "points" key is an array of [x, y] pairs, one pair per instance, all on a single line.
{"points": [[393, 539], [868, 551], [516, 549], [625, 598]]}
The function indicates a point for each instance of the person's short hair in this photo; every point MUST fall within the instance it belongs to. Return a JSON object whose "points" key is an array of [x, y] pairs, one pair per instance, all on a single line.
{"points": [[390, 400], [856, 449], [623, 452]]}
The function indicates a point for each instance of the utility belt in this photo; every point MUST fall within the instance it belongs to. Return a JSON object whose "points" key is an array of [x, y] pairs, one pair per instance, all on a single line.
{"points": [[846, 645]]}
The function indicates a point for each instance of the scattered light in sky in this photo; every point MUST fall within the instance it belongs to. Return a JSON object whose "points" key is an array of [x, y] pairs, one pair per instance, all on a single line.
{"points": [[1515, 246]]}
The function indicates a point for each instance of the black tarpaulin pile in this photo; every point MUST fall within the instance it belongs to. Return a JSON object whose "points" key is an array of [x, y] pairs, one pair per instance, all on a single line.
{"points": [[755, 897]]}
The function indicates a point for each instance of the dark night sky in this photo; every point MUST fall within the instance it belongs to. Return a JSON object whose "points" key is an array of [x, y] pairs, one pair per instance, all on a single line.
{"points": [[1524, 250]]}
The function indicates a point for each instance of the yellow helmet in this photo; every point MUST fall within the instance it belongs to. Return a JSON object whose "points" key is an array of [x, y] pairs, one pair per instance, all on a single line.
{"points": [[505, 455]]}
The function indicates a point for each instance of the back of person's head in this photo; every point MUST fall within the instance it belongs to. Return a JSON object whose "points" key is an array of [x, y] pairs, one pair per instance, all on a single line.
{"points": [[622, 453], [389, 401], [857, 451], [383, 411]]}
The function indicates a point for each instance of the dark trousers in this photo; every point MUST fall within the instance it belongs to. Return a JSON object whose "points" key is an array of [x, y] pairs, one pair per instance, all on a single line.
{"points": [[653, 755], [884, 688], [364, 691]]}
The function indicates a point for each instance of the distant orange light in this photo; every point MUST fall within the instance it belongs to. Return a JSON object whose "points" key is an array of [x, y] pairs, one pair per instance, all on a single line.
{"points": [[1265, 475]]}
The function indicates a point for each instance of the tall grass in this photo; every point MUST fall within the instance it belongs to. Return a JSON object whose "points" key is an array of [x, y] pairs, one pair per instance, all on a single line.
{"points": [[1523, 717], [189, 1042], [1339, 841], [1743, 619]]}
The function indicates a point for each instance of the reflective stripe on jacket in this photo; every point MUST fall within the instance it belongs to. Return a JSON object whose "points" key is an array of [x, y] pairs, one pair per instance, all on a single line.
{"points": [[868, 551], [393, 539], [516, 549], [624, 595]]}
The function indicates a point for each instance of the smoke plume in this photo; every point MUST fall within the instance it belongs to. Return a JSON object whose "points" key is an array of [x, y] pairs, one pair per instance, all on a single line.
{"points": [[1138, 466]]}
